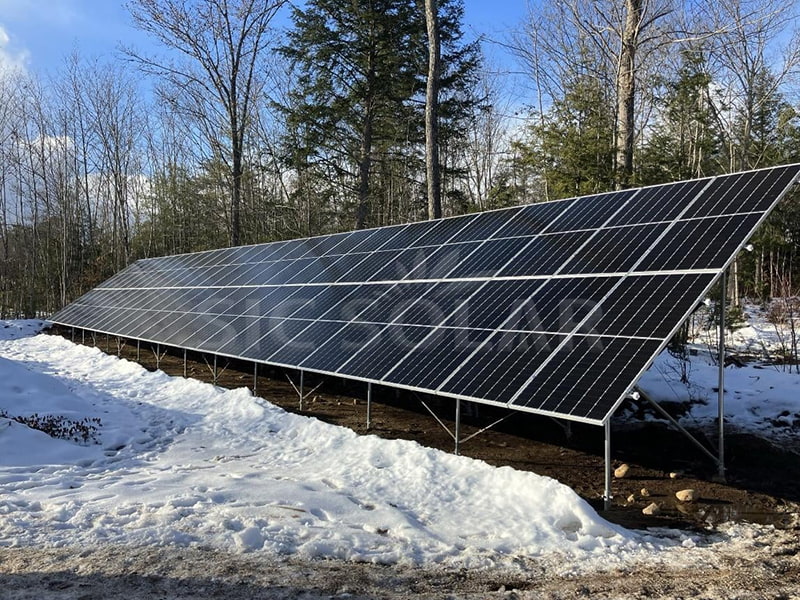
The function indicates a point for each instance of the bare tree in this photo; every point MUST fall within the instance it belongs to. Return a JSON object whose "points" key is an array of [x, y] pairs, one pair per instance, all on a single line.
{"points": [[432, 111], [221, 43], [615, 42], [756, 55], [488, 140], [626, 90]]}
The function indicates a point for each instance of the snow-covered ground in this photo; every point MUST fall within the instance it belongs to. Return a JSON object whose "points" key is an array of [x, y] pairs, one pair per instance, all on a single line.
{"points": [[761, 397], [182, 462], [179, 462]]}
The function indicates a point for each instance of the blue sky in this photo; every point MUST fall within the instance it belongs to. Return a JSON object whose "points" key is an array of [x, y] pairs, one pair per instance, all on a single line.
{"points": [[38, 34]]}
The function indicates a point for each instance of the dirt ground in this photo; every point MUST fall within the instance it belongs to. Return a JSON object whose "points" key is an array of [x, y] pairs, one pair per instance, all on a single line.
{"points": [[770, 569], [762, 478], [762, 486]]}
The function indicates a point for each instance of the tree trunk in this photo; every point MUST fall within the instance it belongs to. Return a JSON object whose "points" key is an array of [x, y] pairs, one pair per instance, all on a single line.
{"points": [[365, 151], [433, 170], [236, 194], [364, 168], [626, 92]]}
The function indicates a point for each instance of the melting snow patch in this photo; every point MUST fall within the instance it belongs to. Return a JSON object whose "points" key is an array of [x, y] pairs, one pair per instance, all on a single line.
{"points": [[182, 462]]}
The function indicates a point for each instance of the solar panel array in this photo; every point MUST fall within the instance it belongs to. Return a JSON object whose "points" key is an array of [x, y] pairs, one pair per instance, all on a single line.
{"points": [[554, 308]]}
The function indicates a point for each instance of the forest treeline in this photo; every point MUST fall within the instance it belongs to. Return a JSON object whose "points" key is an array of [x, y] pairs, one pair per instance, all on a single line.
{"points": [[236, 130]]}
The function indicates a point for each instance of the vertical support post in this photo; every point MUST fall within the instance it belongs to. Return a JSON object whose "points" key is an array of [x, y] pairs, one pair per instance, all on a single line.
{"points": [[158, 356], [369, 406], [255, 379], [108, 344], [83, 337], [119, 347], [73, 334], [721, 382], [457, 434], [138, 343], [607, 455], [301, 390], [184, 363], [215, 369]]}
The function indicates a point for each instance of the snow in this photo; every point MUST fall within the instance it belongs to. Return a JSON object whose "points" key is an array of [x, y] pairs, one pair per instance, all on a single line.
{"points": [[760, 397], [183, 462]]}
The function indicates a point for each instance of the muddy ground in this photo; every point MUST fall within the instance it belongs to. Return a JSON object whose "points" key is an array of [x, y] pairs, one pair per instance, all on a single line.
{"points": [[768, 569], [762, 478], [762, 486]]}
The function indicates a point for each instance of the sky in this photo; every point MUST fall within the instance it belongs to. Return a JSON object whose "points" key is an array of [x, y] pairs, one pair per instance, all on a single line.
{"points": [[39, 34]]}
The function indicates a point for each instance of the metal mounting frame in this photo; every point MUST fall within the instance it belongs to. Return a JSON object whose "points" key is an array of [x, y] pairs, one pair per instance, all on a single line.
{"points": [[299, 389]]}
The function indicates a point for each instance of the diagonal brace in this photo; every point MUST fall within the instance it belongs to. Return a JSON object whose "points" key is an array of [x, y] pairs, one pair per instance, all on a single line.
{"points": [[301, 392], [680, 427]]}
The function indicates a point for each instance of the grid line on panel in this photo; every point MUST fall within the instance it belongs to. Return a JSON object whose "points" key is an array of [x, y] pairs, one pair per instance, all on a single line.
{"points": [[577, 328], [556, 271], [394, 304]]}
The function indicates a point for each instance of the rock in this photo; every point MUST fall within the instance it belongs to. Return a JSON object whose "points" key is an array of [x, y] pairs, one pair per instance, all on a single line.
{"points": [[631, 499], [645, 493], [621, 471], [687, 495], [675, 474], [651, 509]]}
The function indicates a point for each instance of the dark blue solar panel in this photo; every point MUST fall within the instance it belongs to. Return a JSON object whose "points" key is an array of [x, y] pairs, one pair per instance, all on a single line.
{"points": [[553, 307]]}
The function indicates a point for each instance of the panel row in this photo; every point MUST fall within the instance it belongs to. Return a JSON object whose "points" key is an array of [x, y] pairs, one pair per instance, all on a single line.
{"points": [[627, 306], [411, 249], [554, 307], [684, 245]]}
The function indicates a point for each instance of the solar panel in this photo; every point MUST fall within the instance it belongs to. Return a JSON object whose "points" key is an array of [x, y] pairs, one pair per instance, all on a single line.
{"points": [[554, 308]]}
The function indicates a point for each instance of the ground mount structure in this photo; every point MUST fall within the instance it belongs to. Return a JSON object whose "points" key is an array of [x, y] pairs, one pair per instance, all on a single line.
{"points": [[554, 308]]}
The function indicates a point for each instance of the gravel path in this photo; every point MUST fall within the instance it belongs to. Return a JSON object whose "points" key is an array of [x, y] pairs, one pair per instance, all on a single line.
{"points": [[766, 567]]}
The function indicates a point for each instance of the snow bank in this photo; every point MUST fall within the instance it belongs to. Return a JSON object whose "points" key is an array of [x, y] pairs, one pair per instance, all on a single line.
{"points": [[182, 462], [760, 399], [12, 330]]}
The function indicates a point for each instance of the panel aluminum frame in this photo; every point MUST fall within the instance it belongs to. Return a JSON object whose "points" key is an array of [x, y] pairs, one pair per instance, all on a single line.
{"points": [[433, 307]]}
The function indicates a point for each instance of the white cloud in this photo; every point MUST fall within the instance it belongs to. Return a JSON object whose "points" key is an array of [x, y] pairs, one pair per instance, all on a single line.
{"points": [[11, 59]]}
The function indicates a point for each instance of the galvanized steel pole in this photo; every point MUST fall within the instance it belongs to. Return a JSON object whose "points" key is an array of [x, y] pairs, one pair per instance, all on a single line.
{"points": [[369, 406], [607, 455], [721, 382], [457, 435]]}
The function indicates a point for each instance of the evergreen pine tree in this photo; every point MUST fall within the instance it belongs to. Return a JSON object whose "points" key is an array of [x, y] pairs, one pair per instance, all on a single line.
{"points": [[355, 115]]}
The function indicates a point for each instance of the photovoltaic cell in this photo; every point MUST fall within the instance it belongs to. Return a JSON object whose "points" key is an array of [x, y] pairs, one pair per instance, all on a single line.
{"points": [[650, 205], [546, 254], [591, 212], [489, 257], [500, 366], [532, 219], [430, 362], [383, 351], [554, 308], [614, 250]]}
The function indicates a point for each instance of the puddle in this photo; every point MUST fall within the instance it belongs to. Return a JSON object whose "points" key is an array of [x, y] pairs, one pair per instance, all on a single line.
{"points": [[701, 514], [724, 512]]}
